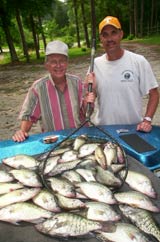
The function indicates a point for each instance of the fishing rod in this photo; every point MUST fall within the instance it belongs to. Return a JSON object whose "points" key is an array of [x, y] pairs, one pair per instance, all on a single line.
{"points": [[88, 109]]}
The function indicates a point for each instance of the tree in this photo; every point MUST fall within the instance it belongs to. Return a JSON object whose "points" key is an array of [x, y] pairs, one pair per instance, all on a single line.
{"points": [[34, 33], [93, 19], [72, 21], [135, 18], [76, 22], [85, 24], [131, 20], [20, 25], [141, 18], [5, 22], [42, 31]]}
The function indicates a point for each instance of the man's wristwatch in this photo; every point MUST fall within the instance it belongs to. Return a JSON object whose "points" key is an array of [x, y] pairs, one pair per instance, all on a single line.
{"points": [[148, 119]]}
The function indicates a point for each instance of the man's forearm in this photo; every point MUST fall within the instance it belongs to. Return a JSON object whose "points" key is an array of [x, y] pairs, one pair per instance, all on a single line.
{"points": [[26, 125], [152, 103]]}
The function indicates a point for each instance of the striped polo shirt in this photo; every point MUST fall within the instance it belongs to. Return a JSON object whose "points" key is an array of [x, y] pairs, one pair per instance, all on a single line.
{"points": [[54, 109]]}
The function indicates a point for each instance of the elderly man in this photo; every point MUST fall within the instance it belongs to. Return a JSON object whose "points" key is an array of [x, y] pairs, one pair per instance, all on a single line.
{"points": [[56, 99]]}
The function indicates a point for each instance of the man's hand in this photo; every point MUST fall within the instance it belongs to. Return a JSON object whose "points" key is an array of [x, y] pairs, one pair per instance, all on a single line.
{"points": [[144, 126], [20, 136], [90, 78], [90, 97]]}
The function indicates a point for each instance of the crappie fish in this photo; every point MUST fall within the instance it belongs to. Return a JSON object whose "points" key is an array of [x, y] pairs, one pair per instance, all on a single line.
{"points": [[72, 176], [50, 164], [66, 143], [23, 211], [67, 224], [46, 200], [110, 151], [59, 168], [88, 163], [26, 177], [6, 187], [69, 155], [136, 199], [101, 212], [62, 187], [107, 178], [142, 219], [100, 157], [140, 182], [90, 157], [19, 195], [5, 176], [21, 160], [79, 141], [123, 232], [59, 151], [87, 149], [96, 192], [69, 203], [88, 175], [117, 167], [81, 196]]}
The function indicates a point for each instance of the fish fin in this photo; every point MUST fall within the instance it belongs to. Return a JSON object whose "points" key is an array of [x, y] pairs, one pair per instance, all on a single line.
{"points": [[109, 227], [15, 223], [22, 167], [37, 221], [109, 168], [100, 238]]}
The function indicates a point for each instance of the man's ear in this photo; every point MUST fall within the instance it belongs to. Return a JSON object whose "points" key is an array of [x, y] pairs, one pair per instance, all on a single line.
{"points": [[100, 37], [46, 65]]}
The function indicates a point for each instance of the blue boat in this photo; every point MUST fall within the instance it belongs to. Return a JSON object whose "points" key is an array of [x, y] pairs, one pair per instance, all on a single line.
{"points": [[144, 147]]}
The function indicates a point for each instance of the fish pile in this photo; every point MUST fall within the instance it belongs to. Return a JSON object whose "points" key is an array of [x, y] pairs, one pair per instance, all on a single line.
{"points": [[83, 187]]}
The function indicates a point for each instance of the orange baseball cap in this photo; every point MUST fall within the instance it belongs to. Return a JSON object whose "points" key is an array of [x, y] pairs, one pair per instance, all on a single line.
{"points": [[109, 20]]}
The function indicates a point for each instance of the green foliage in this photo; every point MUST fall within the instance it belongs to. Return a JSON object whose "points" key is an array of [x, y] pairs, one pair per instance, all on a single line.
{"points": [[15, 32], [60, 14], [5, 58], [130, 37], [58, 20], [51, 29], [69, 40], [30, 45], [76, 52], [83, 49], [2, 37]]}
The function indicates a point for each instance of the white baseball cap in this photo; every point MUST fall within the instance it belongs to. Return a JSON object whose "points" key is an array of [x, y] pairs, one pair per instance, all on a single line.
{"points": [[57, 47]]}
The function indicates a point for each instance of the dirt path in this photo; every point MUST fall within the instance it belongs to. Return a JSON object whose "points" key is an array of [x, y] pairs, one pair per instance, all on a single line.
{"points": [[15, 81]]}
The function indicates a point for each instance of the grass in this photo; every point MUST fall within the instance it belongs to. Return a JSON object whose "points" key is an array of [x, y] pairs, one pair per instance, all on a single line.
{"points": [[75, 52], [149, 40]]}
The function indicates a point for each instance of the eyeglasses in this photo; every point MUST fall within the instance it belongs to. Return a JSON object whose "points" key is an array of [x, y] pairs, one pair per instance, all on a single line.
{"points": [[57, 62]]}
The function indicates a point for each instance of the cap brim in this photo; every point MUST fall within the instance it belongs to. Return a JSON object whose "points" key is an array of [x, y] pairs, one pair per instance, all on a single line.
{"points": [[117, 27], [61, 53]]}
